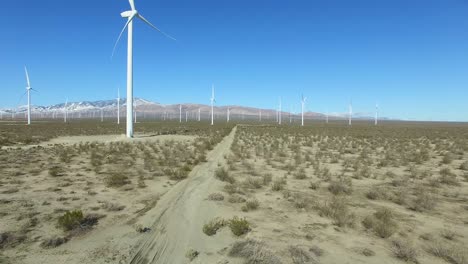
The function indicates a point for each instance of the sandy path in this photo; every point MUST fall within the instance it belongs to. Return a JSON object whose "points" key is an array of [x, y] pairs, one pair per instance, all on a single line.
{"points": [[178, 218]]}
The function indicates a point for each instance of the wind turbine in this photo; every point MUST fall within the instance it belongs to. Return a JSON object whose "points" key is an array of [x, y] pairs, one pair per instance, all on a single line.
{"points": [[350, 121], [213, 100], [118, 106], [199, 110], [130, 15], [28, 91], [65, 111], [180, 113], [228, 113], [303, 101], [260, 115], [376, 114]]}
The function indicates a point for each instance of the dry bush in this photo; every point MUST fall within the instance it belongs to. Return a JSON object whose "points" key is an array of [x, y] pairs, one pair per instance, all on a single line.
{"points": [[300, 255], [301, 174], [216, 197], [112, 207], [53, 242], [337, 209], [254, 252], [404, 250], [314, 185], [116, 179], [70, 220], [448, 252], [382, 222], [192, 254], [341, 186], [223, 175], [464, 166], [235, 198], [267, 178], [11, 239], [424, 200], [253, 182], [213, 226], [278, 184], [56, 171], [250, 205]]}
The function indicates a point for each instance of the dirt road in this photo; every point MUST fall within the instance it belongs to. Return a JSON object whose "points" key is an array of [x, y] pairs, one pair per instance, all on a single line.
{"points": [[179, 216]]}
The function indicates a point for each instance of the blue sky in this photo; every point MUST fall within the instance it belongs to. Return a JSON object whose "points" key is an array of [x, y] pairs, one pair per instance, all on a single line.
{"points": [[409, 55]]}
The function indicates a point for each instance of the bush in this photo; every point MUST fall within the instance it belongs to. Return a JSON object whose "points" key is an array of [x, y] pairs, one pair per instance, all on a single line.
{"points": [[239, 226], [216, 197], [337, 209], [464, 166], [381, 222], [300, 175], [255, 252], [223, 175], [448, 252], [116, 179], [10, 239], [341, 186], [278, 185], [404, 250], [54, 242], [250, 205], [56, 171], [70, 220], [300, 255], [213, 226]]}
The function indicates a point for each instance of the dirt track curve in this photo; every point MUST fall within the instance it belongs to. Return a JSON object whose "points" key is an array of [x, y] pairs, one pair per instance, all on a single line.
{"points": [[180, 214]]}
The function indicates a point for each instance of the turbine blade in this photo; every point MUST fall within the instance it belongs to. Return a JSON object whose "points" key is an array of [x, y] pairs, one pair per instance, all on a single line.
{"points": [[27, 76], [151, 25], [35, 90], [132, 4], [121, 33], [21, 98]]}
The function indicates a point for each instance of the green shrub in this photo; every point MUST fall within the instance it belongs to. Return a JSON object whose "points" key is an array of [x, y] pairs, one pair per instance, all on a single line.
{"points": [[70, 220], [55, 171], [239, 226], [382, 222], [116, 179], [223, 175], [213, 226]]}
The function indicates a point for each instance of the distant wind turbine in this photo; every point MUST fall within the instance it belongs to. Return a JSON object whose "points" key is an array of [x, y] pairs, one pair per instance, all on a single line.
{"points": [[65, 111], [130, 15], [303, 101], [213, 100], [376, 114], [28, 91], [350, 113], [228, 113], [279, 112], [199, 110], [180, 113]]}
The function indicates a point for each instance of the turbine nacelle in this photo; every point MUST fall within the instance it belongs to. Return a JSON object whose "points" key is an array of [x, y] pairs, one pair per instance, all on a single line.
{"points": [[130, 13]]}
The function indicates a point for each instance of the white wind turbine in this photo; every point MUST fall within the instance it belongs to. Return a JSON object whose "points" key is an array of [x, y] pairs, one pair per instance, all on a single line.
{"points": [[130, 15], [350, 113], [28, 91], [376, 114], [65, 111], [199, 110], [213, 100], [228, 113], [180, 113], [303, 101]]}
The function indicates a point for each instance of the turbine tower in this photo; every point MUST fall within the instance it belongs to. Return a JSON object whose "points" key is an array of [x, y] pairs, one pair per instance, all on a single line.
{"points": [[180, 113], [350, 113], [199, 110], [28, 90], [376, 114], [65, 111], [228, 113], [130, 15], [213, 100], [303, 101]]}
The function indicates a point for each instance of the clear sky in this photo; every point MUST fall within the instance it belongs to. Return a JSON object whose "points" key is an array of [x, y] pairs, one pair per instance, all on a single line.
{"points": [[410, 56]]}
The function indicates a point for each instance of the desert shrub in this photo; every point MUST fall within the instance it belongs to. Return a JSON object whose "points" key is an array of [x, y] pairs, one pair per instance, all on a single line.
{"points": [[382, 222], [341, 186], [450, 253], [192, 254], [314, 185], [11, 239], [404, 250], [223, 175], [55, 171], [301, 174], [53, 242], [300, 255], [116, 179], [216, 197], [253, 182], [267, 177], [464, 166], [337, 209], [231, 188], [239, 226], [254, 252], [112, 207], [448, 177], [424, 200], [213, 226], [235, 198], [70, 220], [250, 205], [447, 159], [372, 194], [278, 184], [448, 234], [300, 201]]}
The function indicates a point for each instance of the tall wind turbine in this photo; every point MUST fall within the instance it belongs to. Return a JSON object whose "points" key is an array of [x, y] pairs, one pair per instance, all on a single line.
{"points": [[180, 113], [376, 114], [130, 15], [28, 91], [199, 110], [213, 100], [350, 121], [118, 106], [228, 113], [65, 111], [303, 101]]}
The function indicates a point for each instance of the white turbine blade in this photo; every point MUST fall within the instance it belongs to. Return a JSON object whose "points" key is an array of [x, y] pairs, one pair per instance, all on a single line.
{"points": [[151, 25], [21, 98], [121, 33], [132, 4], [27, 76]]}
